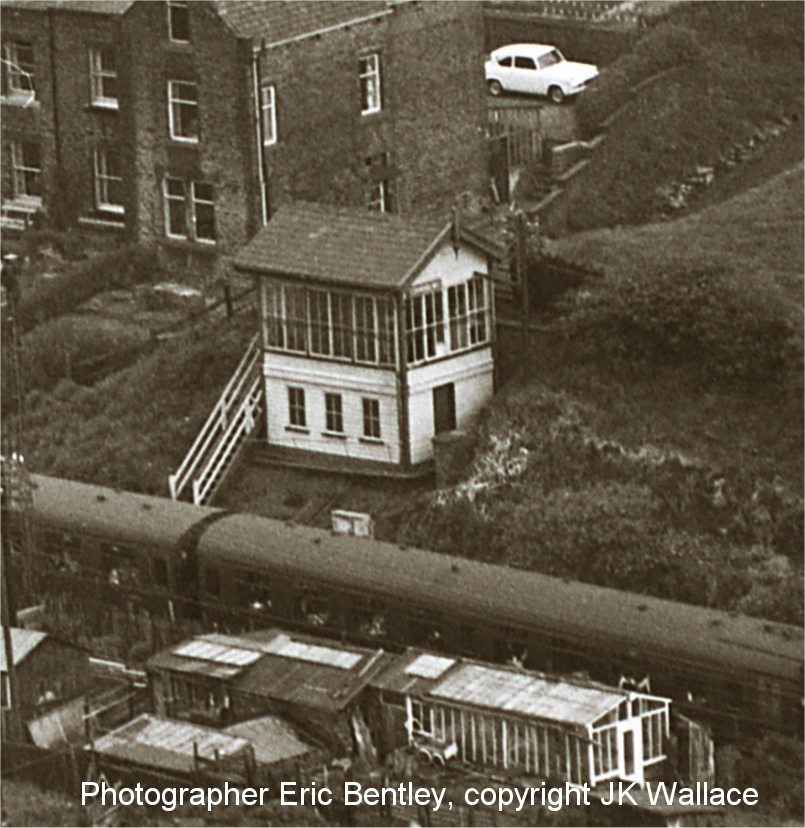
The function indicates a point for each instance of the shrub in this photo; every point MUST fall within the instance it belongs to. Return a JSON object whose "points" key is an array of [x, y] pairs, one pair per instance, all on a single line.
{"points": [[67, 347], [663, 48], [706, 318], [62, 294]]}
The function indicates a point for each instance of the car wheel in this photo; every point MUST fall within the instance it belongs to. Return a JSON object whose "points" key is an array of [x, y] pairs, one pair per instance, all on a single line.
{"points": [[556, 95], [494, 88]]}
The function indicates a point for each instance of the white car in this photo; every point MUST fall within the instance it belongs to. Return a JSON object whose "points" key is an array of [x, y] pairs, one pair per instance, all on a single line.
{"points": [[536, 69]]}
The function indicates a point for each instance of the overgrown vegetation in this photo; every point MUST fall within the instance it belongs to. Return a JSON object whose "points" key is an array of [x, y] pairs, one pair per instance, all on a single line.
{"points": [[713, 73], [656, 444], [132, 429], [45, 298]]}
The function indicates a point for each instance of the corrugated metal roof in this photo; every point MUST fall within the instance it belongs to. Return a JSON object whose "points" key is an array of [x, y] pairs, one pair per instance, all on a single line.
{"points": [[167, 744], [291, 667], [207, 651], [340, 244], [282, 645], [277, 21], [526, 694], [93, 6], [429, 666], [22, 643], [272, 738], [181, 664]]}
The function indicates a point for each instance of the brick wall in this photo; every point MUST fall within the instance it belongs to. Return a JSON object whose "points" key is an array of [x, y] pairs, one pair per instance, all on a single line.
{"points": [[82, 127], [216, 62], [29, 121], [430, 123], [428, 134]]}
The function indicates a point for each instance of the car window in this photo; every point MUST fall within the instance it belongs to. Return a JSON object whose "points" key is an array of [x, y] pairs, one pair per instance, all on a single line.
{"points": [[524, 63], [551, 59], [505, 61]]}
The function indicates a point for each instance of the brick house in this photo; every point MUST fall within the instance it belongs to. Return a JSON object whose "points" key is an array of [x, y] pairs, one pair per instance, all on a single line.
{"points": [[189, 123], [377, 332]]}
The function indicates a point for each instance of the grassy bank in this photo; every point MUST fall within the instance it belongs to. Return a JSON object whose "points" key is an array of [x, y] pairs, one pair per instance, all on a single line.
{"points": [[655, 440]]}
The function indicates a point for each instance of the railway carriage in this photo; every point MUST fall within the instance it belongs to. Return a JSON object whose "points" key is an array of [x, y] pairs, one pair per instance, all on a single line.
{"points": [[245, 570]]}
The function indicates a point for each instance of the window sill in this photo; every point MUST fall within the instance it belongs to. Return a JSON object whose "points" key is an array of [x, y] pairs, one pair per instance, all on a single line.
{"points": [[103, 106], [22, 99], [112, 210], [372, 441], [105, 224], [189, 244], [297, 429], [336, 435]]}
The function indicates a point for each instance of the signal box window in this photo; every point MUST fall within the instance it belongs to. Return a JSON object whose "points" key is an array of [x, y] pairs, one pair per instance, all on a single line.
{"points": [[424, 323], [334, 414], [296, 407], [179, 22], [371, 418]]}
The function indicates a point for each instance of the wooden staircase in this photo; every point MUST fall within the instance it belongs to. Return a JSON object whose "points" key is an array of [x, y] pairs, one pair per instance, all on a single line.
{"points": [[224, 435]]}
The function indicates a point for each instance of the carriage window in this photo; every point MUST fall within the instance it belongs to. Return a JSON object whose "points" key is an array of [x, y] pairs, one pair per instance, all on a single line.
{"points": [[524, 63], [425, 633], [505, 61], [367, 617], [159, 571], [312, 606], [212, 583], [253, 589], [119, 564]]}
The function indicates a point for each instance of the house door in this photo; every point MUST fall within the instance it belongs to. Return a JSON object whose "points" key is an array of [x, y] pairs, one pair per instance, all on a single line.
{"points": [[631, 752], [444, 408]]}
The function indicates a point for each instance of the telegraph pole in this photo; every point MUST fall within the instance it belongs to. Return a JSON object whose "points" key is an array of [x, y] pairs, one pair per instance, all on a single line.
{"points": [[11, 483]]}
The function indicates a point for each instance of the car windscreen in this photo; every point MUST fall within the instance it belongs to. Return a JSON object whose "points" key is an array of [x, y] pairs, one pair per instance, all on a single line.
{"points": [[551, 59]]}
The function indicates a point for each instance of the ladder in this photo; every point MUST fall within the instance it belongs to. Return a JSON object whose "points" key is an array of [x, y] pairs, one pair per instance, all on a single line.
{"points": [[223, 436]]}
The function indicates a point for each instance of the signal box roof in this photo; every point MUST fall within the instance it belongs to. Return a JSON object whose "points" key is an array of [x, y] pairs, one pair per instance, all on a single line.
{"points": [[348, 246]]}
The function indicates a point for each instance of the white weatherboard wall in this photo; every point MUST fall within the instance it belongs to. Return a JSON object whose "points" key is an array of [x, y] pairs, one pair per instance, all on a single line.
{"points": [[318, 377], [471, 372], [450, 269], [473, 376]]}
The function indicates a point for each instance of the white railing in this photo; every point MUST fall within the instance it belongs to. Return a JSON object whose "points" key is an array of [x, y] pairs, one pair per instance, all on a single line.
{"points": [[232, 419], [239, 428]]}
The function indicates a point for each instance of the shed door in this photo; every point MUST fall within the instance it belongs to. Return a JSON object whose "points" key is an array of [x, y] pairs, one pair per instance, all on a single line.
{"points": [[444, 408], [631, 751]]}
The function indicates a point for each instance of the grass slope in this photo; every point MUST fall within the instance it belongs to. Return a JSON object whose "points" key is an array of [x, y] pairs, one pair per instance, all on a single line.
{"points": [[720, 69], [133, 429], [655, 441]]}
